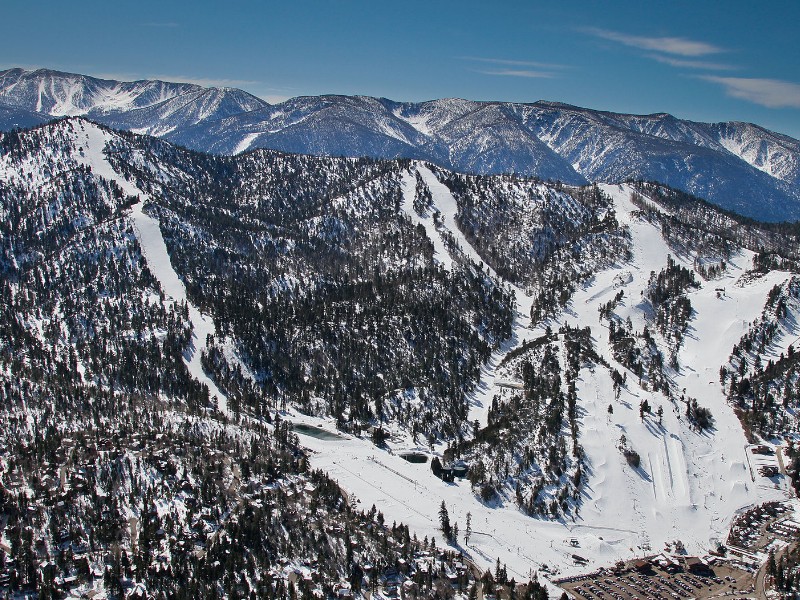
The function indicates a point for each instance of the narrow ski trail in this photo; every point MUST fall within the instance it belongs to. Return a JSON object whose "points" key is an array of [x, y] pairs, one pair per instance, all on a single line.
{"points": [[154, 250], [481, 398]]}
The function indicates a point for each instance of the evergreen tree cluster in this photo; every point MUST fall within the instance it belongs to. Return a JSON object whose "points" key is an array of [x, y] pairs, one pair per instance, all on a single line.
{"points": [[765, 391], [529, 449], [318, 281], [667, 293], [638, 352], [115, 473]]}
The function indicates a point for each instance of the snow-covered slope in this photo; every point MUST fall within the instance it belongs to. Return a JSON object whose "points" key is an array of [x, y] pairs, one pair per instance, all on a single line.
{"points": [[690, 483], [154, 107], [775, 154], [92, 142], [318, 272]]}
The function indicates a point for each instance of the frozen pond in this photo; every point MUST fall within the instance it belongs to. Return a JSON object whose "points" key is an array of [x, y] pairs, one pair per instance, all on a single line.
{"points": [[317, 432]]}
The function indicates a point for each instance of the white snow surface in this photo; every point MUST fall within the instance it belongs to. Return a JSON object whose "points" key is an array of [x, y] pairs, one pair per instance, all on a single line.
{"points": [[763, 150], [148, 232], [689, 486], [440, 254], [246, 142], [418, 122], [154, 249]]}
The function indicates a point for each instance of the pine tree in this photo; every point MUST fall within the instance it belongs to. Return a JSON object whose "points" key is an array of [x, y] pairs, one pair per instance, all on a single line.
{"points": [[444, 521]]}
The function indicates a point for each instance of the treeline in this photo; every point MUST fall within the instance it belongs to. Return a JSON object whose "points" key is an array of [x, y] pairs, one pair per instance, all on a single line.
{"points": [[667, 293]]}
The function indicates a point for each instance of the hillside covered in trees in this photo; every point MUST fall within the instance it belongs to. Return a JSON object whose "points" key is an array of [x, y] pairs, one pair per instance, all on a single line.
{"points": [[148, 435]]}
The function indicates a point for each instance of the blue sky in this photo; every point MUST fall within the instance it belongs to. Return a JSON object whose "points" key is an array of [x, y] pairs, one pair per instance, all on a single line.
{"points": [[701, 60]]}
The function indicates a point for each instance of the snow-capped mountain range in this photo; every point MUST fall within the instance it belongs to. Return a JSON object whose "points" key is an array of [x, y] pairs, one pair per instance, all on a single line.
{"points": [[739, 166], [152, 107]]}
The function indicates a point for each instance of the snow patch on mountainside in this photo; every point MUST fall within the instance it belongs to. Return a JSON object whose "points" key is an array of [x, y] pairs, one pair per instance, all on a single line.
{"points": [[245, 143], [766, 155], [418, 122]]}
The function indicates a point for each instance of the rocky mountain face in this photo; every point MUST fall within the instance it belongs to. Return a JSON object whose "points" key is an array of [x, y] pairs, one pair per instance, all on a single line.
{"points": [[738, 166]]}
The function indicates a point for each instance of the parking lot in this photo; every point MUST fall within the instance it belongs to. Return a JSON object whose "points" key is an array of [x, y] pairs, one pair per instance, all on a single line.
{"points": [[656, 583]]}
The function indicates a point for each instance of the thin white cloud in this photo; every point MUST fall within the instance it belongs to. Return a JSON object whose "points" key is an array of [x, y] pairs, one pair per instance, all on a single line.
{"points": [[515, 63], [772, 93], [668, 45], [692, 64], [518, 73], [506, 67]]}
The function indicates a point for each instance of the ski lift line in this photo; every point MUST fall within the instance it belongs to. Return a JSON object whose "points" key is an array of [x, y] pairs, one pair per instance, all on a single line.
{"points": [[372, 485], [398, 473]]}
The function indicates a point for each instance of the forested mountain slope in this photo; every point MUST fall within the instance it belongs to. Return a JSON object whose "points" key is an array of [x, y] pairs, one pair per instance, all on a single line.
{"points": [[170, 316]]}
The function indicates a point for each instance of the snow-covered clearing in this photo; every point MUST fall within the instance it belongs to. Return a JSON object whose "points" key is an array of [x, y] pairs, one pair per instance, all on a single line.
{"points": [[246, 142], [154, 249], [410, 493]]}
